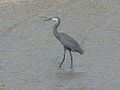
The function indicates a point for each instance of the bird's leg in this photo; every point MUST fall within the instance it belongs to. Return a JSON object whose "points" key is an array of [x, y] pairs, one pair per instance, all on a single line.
{"points": [[71, 59], [63, 58]]}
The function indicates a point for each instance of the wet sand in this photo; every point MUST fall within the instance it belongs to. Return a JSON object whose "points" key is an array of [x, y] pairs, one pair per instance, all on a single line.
{"points": [[30, 54]]}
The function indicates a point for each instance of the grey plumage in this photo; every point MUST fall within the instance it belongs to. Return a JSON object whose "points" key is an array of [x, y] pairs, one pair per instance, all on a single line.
{"points": [[67, 41]]}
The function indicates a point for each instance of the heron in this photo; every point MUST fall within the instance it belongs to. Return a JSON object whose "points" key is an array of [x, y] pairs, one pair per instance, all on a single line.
{"points": [[67, 41]]}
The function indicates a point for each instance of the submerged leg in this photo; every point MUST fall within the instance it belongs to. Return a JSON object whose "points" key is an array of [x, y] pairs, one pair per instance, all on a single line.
{"points": [[63, 58], [71, 59]]}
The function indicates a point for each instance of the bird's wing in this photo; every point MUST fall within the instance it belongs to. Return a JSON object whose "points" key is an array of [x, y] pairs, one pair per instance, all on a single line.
{"points": [[69, 42]]}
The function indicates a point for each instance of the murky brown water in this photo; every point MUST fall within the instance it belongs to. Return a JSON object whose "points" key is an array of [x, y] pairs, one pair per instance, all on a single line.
{"points": [[30, 55]]}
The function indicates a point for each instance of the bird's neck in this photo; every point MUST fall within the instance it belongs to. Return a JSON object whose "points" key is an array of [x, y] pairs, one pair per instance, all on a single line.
{"points": [[56, 34]]}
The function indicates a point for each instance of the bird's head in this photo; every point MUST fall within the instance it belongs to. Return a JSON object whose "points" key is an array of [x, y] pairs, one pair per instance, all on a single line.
{"points": [[53, 19]]}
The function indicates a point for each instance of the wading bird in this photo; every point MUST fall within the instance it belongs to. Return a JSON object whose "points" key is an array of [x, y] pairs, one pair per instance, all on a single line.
{"points": [[67, 41]]}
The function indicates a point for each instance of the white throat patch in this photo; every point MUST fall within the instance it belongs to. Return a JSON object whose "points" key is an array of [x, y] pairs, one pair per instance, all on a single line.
{"points": [[55, 19]]}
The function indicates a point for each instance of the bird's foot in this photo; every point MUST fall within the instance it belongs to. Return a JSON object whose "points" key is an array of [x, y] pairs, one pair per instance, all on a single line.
{"points": [[60, 66]]}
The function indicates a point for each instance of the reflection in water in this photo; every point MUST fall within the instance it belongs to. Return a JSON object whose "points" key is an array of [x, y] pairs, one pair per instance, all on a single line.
{"points": [[69, 74], [67, 78]]}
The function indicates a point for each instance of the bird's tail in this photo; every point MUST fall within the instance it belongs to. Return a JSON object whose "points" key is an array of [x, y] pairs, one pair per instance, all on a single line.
{"points": [[81, 51]]}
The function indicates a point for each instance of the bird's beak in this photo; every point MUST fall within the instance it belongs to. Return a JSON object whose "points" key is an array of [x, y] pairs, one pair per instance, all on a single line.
{"points": [[47, 19]]}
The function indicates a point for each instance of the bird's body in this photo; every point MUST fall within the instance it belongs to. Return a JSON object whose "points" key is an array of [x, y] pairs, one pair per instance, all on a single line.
{"points": [[67, 41]]}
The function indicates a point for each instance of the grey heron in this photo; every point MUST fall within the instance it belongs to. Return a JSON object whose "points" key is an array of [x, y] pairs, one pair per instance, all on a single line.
{"points": [[67, 41]]}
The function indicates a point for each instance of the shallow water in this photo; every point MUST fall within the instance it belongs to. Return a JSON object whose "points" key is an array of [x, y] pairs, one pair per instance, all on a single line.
{"points": [[30, 55]]}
